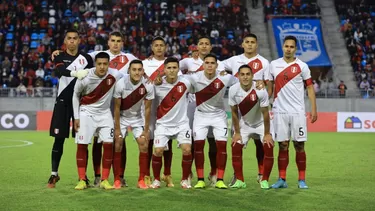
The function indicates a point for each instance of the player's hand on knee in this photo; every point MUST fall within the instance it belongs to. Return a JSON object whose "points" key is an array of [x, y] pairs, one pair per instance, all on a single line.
{"points": [[267, 139], [54, 54], [145, 135], [80, 74], [236, 139], [259, 84], [76, 125]]}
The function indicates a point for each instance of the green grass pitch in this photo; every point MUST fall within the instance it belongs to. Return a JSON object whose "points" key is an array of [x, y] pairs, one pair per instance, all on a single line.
{"points": [[340, 174]]}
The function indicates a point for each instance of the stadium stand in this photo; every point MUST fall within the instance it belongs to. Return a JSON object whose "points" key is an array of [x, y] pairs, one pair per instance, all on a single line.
{"points": [[357, 20], [31, 30]]}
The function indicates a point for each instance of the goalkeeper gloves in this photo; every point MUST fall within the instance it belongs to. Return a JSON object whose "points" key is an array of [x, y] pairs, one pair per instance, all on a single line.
{"points": [[80, 74]]}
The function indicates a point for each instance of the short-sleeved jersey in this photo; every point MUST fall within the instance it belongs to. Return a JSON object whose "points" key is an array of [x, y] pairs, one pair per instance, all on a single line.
{"points": [[132, 96], [249, 103], [94, 93], [192, 65], [72, 63], [153, 67], [258, 64], [289, 82], [172, 102], [119, 61], [210, 93]]}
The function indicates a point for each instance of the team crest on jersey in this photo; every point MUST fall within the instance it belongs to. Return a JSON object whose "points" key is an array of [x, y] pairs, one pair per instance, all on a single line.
{"points": [[142, 91], [81, 61], [256, 65], [217, 85], [56, 130], [294, 69], [253, 97], [180, 89], [122, 59], [109, 81], [80, 137]]}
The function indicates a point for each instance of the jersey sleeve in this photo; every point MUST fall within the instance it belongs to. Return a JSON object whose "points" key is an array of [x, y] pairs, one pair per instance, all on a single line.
{"points": [[183, 65], [131, 57], [220, 66], [266, 73], [231, 96], [226, 64], [117, 93], [60, 68], [90, 61], [270, 75], [150, 92], [233, 80], [263, 98], [306, 75], [93, 54]]}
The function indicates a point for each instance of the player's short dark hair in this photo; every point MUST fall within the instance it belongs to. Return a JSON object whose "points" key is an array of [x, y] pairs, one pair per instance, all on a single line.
{"points": [[170, 60], [290, 37], [71, 31], [102, 55], [117, 34], [251, 35], [245, 66], [158, 38], [211, 55], [135, 61], [204, 37]]}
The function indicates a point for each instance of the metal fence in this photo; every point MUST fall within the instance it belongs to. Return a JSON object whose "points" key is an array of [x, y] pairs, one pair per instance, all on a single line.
{"points": [[51, 92]]}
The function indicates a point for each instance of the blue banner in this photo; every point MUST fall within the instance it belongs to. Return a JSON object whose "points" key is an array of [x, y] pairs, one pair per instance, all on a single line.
{"points": [[310, 45]]}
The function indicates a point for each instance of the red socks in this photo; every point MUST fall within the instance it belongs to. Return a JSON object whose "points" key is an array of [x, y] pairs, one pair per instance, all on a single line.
{"points": [[199, 157], [237, 161], [81, 158], [156, 166], [221, 158], [143, 165], [107, 159], [212, 155], [268, 161], [283, 161], [123, 160], [186, 166], [301, 164], [117, 165], [97, 155], [168, 159]]}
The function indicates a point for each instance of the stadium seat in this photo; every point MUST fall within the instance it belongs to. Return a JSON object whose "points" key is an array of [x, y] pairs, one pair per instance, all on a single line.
{"points": [[44, 4], [10, 43], [41, 35], [9, 36], [34, 44], [52, 12], [99, 21], [34, 36], [67, 13], [99, 13], [51, 20]]}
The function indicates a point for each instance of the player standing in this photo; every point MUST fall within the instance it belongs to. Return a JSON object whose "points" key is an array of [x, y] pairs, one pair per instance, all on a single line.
{"points": [[154, 67], [172, 121], [91, 103], [66, 66], [209, 89], [260, 67], [289, 74], [250, 118], [194, 65], [130, 91]]}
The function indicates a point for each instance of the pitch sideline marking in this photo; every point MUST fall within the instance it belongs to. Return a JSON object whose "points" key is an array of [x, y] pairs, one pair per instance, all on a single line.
{"points": [[25, 143]]}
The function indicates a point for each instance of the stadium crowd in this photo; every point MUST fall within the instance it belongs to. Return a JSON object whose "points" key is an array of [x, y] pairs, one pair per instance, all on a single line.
{"points": [[290, 7], [30, 31], [357, 24]]}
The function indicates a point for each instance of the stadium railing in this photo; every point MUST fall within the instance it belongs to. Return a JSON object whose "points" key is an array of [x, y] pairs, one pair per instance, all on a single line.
{"points": [[51, 92]]}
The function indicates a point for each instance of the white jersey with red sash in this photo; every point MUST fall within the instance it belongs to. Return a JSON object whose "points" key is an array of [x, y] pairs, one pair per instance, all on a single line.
{"points": [[259, 65], [191, 65], [119, 61], [93, 94]]}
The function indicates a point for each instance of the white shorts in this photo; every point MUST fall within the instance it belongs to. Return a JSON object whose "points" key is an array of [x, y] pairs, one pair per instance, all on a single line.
{"points": [[203, 122], [163, 134], [248, 132], [290, 127], [191, 113], [152, 125], [89, 124], [137, 131]]}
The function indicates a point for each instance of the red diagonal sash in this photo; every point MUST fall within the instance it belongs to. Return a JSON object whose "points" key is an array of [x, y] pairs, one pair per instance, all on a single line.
{"points": [[200, 68], [99, 91], [248, 102], [209, 91], [171, 99], [159, 71], [285, 76], [133, 98], [118, 62]]}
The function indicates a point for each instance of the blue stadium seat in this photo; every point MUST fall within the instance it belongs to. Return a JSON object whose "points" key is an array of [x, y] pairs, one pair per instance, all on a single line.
{"points": [[34, 44], [10, 43], [11, 28], [41, 35], [34, 36], [9, 36], [44, 4]]}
